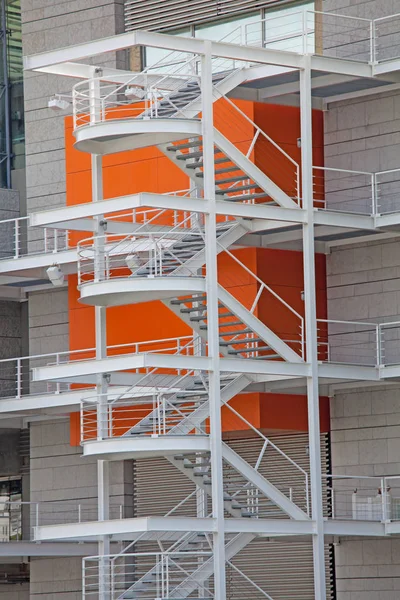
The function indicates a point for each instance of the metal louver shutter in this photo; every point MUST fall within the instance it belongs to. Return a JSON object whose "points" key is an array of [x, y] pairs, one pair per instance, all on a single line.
{"points": [[166, 14], [283, 569]]}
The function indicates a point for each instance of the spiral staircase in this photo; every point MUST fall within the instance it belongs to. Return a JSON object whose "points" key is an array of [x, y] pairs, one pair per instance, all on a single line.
{"points": [[169, 264]]}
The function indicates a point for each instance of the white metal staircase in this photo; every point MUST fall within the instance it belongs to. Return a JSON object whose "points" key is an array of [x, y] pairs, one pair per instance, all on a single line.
{"points": [[181, 408]]}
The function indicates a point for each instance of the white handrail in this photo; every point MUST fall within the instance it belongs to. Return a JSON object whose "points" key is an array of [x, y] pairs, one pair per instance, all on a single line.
{"points": [[264, 286], [267, 442]]}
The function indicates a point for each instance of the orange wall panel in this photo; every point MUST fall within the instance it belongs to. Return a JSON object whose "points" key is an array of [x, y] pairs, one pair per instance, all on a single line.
{"points": [[149, 170]]}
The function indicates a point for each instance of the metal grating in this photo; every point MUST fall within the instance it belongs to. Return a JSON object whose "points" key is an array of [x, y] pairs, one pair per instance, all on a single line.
{"points": [[160, 15]]}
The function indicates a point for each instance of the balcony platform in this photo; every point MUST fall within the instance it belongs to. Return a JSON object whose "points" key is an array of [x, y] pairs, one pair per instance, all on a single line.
{"points": [[131, 447]]}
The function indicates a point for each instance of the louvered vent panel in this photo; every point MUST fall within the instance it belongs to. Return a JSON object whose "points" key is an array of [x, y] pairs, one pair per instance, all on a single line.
{"points": [[24, 451], [283, 569], [166, 14]]}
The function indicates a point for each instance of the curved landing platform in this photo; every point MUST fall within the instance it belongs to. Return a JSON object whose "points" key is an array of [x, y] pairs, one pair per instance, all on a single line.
{"points": [[118, 135], [131, 290], [129, 447]]}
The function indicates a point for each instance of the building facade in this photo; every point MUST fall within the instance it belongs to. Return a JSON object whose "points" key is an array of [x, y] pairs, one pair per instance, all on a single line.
{"points": [[200, 300]]}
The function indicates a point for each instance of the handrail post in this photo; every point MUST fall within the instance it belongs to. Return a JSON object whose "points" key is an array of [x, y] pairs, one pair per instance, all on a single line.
{"points": [[19, 378], [16, 239], [304, 31], [378, 345], [374, 195], [372, 33], [384, 500]]}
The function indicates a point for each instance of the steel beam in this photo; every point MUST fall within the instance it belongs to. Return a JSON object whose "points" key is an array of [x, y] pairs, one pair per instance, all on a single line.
{"points": [[214, 386], [311, 333]]}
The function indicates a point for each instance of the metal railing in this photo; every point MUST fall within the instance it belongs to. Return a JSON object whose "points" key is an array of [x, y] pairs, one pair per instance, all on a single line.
{"points": [[349, 342], [287, 475], [339, 341], [386, 34], [152, 407], [266, 296], [362, 498], [18, 238], [356, 192], [16, 373], [344, 190], [323, 33], [389, 336], [387, 191], [152, 254], [256, 145], [141, 96], [159, 574]]}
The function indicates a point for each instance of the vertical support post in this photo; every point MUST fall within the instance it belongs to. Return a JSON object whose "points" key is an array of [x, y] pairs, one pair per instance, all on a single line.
{"points": [[101, 387], [17, 238], [6, 94], [19, 378], [311, 331], [384, 497], [212, 321]]}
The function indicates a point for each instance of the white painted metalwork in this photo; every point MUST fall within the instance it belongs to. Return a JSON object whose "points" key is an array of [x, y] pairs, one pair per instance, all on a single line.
{"points": [[174, 391]]}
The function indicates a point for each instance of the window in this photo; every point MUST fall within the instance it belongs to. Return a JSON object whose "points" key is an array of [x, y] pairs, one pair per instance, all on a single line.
{"points": [[154, 55], [279, 29], [284, 28]]}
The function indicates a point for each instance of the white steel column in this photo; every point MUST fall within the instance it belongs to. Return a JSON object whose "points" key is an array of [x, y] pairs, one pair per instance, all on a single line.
{"points": [[212, 323], [311, 331], [101, 387]]}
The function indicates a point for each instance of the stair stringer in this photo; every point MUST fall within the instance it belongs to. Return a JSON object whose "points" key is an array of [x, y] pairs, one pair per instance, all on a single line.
{"points": [[224, 241], [206, 570], [248, 319], [262, 180], [238, 463], [257, 326], [267, 488], [202, 413], [224, 86]]}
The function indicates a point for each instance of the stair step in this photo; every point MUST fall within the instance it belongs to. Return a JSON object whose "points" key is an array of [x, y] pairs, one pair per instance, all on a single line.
{"points": [[240, 188], [242, 341], [249, 350], [223, 170], [200, 163], [199, 154], [237, 332], [188, 300], [230, 324], [245, 196], [194, 144]]}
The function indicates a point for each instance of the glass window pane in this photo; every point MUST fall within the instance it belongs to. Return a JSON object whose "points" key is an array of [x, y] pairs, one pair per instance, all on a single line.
{"points": [[283, 29], [155, 55], [228, 31]]}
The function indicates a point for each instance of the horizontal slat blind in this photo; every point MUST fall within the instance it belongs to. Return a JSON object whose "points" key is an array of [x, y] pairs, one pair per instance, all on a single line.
{"points": [[165, 14]]}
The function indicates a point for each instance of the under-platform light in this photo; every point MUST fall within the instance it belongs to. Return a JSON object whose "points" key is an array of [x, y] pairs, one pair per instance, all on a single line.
{"points": [[132, 262], [57, 103], [55, 275], [134, 92]]}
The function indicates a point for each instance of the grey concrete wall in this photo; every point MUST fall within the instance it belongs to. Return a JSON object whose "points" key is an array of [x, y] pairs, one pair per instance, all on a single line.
{"points": [[57, 578], [49, 24], [62, 479], [58, 471], [369, 9], [366, 441], [15, 592], [364, 284]]}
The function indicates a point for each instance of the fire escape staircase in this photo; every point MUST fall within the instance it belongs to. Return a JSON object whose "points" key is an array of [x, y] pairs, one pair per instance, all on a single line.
{"points": [[241, 335]]}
